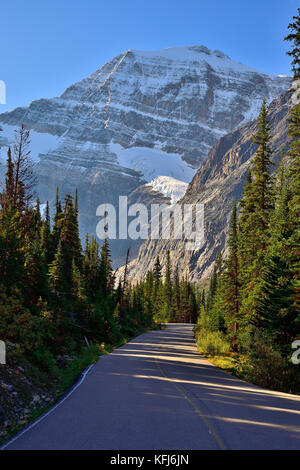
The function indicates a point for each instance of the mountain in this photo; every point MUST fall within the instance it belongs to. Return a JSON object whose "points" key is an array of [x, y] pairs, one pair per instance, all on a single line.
{"points": [[143, 115], [217, 184]]}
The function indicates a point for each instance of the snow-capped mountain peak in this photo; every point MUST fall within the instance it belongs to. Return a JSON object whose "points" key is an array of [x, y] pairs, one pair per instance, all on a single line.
{"points": [[142, 115]]}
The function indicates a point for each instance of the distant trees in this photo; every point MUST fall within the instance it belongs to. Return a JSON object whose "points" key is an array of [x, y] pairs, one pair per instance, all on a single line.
{"points": [[169, 299]]}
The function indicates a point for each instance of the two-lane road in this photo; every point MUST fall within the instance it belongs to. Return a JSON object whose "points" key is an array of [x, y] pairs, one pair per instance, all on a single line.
{"points": [[157, 392]]}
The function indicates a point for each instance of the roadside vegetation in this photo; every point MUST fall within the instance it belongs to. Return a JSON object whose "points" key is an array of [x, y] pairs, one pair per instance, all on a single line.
{"points": [[251, 315]]}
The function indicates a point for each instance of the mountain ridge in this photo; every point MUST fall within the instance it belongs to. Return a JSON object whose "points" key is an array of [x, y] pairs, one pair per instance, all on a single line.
{"points": [[217, 184], [134, 119]]}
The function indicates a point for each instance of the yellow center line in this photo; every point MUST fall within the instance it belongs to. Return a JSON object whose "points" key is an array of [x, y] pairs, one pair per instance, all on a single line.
{"points": [[199, 412]]}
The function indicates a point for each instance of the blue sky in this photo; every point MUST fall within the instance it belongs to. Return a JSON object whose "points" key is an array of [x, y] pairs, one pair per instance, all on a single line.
{"points": [[46, 45]]}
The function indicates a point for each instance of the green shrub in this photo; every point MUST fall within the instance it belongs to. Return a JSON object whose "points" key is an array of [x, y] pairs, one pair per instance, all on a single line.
{"points": [[212, 343], [269, 368], [44, 359], [75, 367]]}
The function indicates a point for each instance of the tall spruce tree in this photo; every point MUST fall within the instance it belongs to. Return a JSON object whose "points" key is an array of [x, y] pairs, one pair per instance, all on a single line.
{"points": [[294, 38], [231, 281], [254, 222]]}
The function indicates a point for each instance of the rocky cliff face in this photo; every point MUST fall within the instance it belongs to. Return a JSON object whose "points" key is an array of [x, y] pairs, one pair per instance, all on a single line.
{"points": [[140, 116], [217, 184]]}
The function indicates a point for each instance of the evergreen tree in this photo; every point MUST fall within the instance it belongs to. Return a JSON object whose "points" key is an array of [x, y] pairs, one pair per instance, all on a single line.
{"points": [[8, 194], [91, 268], [57, 226], [168, 288], [105, 272], [46, 236], [56, 272], [176, 297], [294, 38], [254, 222], [231, 282], [24, 178], [70, 241]]}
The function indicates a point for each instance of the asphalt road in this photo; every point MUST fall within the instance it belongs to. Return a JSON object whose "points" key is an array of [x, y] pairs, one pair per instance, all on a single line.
{"points": [[157, 392]]}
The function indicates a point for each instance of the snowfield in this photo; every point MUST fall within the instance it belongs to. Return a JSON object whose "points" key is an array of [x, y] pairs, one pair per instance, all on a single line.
{"points": [[153, 162], [170, 187]]}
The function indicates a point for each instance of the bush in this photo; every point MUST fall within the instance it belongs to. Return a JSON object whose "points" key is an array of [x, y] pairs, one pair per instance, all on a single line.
{"points": [[211, 343], [269, 369], [20, 326], [44, 359]]}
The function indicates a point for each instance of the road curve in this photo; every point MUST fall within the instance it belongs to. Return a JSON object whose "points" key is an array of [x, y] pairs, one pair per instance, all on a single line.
{"points": [[157, 392]]}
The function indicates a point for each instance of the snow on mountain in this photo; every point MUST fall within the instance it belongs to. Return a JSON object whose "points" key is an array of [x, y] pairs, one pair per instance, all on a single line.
{"points": [[39, 143], [153, 162], [170, 187], [217, 184], [142, 115]]}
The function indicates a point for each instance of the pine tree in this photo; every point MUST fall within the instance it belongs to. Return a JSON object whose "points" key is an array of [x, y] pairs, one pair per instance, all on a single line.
{"points": [[176, 297], [294, 38], [91, 268], [77, 288], [8, 194], [11, 248], [34, 281], [69, 240], [157, 278], [214, 279], [254, 222], [168, 287], [105, 270], [46, 236], [56, 272], [231, 281], [24, 178], [278, 315], [57, 226]]}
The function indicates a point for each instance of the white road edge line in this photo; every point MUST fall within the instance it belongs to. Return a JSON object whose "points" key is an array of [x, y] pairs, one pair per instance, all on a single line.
{"points": [[50, 411]]}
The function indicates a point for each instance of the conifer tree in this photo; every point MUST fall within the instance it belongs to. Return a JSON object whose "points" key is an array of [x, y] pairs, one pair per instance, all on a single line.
{"points": [[69, 240], [34, 281], [168, 287], [294, 38], [24, 178], [57, 226], [56, 272], [91, 268], [105, 270], [176, 297], [231, 281], [156, 277], [77, 287], [8, 195], [254, 222], [46, 236]]}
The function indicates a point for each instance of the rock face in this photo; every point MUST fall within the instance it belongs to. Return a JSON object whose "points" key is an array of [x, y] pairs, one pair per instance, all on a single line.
{"points": [[217, 184], [140, 116]]}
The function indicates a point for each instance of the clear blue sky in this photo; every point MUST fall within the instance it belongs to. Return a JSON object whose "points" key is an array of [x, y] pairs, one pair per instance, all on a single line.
{"points": [[46, 45]]}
